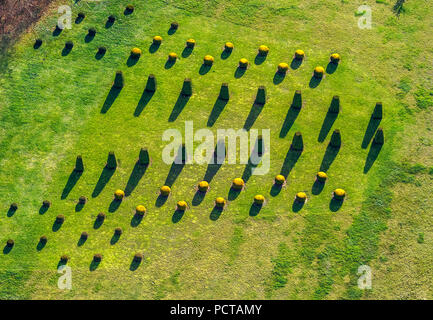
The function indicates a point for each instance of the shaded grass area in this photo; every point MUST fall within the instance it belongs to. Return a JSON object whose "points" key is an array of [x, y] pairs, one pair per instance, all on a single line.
{"points": [[200, 253]]}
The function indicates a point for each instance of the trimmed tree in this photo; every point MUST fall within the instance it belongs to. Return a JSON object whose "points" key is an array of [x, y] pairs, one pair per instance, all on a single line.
{"points": [[118, 80], [297, 142], [224, 92], [151, 83], [187, 87], [111, 161], [378, 112], [261, 95], [79, 166], [335, 139], [143, 157], [335, 105], [297, 100], [379, 138]]}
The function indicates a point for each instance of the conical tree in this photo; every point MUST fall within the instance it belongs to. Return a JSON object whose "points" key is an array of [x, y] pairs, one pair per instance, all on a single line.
{"points": [[143, 158], [379, 137], [297, 142], [335, 105], [377, 113], [118, 80], [111, 161], [297, 100], [335, 139], [79, 166], [261, 95], [224, 92], [187, 87], [151, 83]]}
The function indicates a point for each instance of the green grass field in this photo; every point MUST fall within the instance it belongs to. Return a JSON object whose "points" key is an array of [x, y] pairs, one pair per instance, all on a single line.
{"points": [[50, 112]]}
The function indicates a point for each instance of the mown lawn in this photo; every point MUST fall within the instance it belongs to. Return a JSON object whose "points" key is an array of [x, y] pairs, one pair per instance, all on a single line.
{"points": [[51, 111]]}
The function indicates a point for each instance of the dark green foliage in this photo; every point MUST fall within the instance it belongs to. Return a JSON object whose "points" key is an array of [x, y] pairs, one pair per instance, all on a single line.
{"points": [[111, 19], [187, 87], [79, 166], [60, 218], [335, 139], [129, 8], [143, 158], [100, 216], [14, 207], [46, 203], [297, 100], [81, 15], [424, 98], [111, 161], [224, 92], [118, 80], [335, 105], [10, 243], [297, 142], [97, 257], [398, 7], [102, 50], [174, 25], [64, 258], [118, 231], [43, 239], [82, 200], [138, 257], [420, 238], [38, 43], [151, 83], [378, 111], [379, 137], [84, 235], [261, 95], [92, 32], [69, 45]]}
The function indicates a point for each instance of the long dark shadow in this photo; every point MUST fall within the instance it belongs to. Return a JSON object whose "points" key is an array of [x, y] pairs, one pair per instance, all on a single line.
{"points": [[369, 133], [135, 177], [72, 181], [255, 111], [327, 125], [111, 97], [176, 167], [291, 116], [178, 107], [329, 157], [103, 180], [144, 100], [216, 111], [290, 160], [219, 156], [372, 156]]}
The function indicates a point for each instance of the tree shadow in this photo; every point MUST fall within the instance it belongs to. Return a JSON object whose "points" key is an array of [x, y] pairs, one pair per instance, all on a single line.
{"points": [[177, 216], [259, 59], [7, 249], [98, 223], [37, 45], [114, 205], [135, 177], [290, 160], [41, 244], [240, 72], [255, 111], [111, 97], [331, 67], [372, 156], [79, 19], [72, 181], [327, 125], [275, 189], [314, 82], [216, 111], [176, 167], [99, 55], [154, 47], [109, 24], [297, 205], [181, 102], [89, 37], [114, 239], [79, 206], [169, 64], [160, 201], [104, 178], [335, 204], [296, 63], [255, 209], [57, 31], [132, 61], [369, 133], [317, 187], [198, 198], [81, 241], [11, 211], [187, 52], [56, 225], [144, 100], [233, 194], [291, 116], [66, 51], [216, 213], [329, 157], [225, 54], [217, 161], [204, 69], [134, 264], [171, 31], [249, 167], [136, 220], [279, 77], [94, 265]]}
